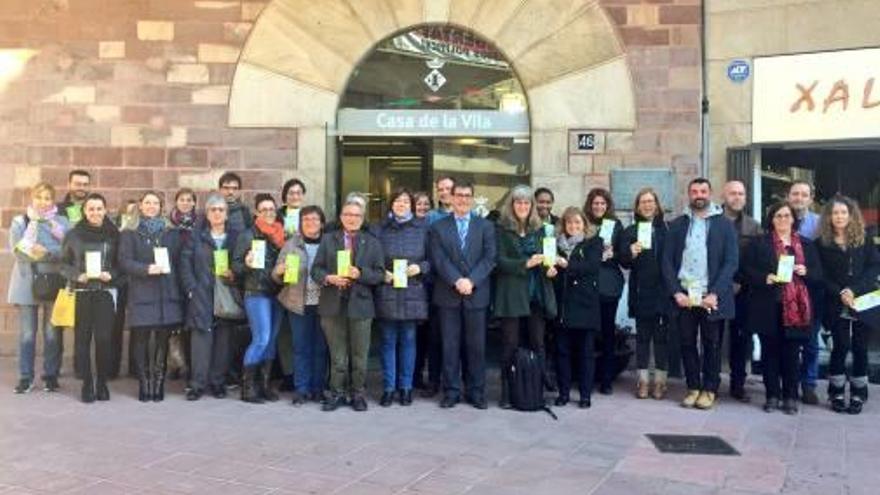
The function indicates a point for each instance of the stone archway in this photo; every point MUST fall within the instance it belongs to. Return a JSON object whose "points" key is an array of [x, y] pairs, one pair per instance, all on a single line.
{"points": [[567, 54]]}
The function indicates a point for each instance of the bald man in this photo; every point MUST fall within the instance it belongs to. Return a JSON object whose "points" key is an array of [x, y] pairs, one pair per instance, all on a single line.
{"points": [[734, 203]]}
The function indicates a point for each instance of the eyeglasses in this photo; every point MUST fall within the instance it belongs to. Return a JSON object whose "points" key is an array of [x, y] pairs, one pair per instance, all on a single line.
{"points": [[268, 209], [352, 215], [217, 209], [463, 195]]}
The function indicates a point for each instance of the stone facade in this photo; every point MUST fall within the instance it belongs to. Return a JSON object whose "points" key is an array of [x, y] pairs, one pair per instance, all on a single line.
{"points": [[159, 94], [745, 29]]}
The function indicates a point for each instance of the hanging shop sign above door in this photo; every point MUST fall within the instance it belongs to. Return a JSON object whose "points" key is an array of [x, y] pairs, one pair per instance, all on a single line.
{"points": [[817, 97], [477, 123]]}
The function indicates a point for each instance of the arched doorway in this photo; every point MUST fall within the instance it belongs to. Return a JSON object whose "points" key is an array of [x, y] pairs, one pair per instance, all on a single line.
{"points": [[300, 54], [431, 101]]}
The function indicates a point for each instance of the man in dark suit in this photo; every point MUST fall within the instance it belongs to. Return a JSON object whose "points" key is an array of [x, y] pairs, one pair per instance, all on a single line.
{"points": [[463, 253]]}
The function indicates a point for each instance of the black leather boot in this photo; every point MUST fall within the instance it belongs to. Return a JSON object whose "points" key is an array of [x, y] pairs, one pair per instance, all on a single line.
{"points": [[504, 403], [249, 392], [159, 364], [265, 382], [837, 397], [857, 398], [87, 394], [145, 393]]}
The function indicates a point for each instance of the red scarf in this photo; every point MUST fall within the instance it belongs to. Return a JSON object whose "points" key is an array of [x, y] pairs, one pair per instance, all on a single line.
{"points": [[796, 309], [273, 231]]}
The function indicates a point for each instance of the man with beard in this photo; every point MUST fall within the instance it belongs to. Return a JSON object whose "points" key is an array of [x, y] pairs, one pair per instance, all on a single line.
{"points": [[800, 197], [747, 229], [699, 262], [78, 187]]}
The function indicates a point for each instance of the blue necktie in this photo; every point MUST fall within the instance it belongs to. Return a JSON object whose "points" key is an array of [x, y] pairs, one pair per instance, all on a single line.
{"points": [[462, 231]]}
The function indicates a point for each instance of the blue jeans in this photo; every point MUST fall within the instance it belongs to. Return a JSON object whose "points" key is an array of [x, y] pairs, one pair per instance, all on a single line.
{"points": [[810, 353], [398, 373], [264, 317], [27, 341], [309, 352]]}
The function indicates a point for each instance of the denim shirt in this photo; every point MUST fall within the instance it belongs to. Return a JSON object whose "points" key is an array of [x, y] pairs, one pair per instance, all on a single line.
{"points": [[695, 258]]}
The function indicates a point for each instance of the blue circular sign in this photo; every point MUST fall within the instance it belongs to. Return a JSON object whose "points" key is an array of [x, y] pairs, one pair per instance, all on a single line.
{"points": [[738, 71]]}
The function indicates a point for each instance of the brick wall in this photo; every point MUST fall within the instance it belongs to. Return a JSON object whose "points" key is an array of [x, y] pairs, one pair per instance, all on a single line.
{"points": [[135, 91], [662, 42]]}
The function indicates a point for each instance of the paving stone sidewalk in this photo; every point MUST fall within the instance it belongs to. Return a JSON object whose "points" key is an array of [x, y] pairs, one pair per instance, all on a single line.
{"points": [[51, 443]]}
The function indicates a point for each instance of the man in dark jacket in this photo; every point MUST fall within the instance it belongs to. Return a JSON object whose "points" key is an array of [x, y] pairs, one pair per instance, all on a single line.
{"points": [[463, 257], [747, 230], [78, 187], [699, 262], [239, 217]]}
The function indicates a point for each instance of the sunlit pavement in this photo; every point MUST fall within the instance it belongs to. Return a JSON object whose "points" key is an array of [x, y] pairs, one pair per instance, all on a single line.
{"points": [[52, 443]]}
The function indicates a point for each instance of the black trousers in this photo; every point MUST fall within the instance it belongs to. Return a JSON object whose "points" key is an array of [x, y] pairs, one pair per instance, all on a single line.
{"points": [[150, 350], [210, 355], [429, 349], [740, 343], [780, 358], [608, 312], [702, 372], [118, 333], [468, 327], [239, 340], [574, 350], [652, 331], [849, 335], [510, 336], [94, 320]]}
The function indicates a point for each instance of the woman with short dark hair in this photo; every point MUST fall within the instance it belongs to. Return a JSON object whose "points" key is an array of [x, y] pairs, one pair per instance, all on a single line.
{"points": [[256, 253], [150, 256], [402, 300], [299, 296], [780, 309], [851, 268]]}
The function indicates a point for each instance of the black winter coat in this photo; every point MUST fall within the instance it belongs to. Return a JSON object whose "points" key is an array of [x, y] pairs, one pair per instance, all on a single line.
{"points": [[855, 268], [610, 277], [577, 286], [409, 241], [647, 296], [197, 276], [759, 261], [153, 300], [82, 238], [253, 281]]}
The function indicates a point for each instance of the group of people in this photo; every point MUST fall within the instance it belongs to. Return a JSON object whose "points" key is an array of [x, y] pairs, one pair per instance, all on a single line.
{"points": [[433, 278]]}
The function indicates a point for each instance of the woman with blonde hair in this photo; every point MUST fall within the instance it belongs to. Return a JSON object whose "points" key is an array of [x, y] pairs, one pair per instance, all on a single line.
{"points": [[850, 266], [523, 281], [577, 294], [35, 239]]}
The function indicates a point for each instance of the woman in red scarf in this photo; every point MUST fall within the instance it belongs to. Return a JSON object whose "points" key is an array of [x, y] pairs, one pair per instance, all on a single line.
{"points": [[255, 255], [780, 310]]}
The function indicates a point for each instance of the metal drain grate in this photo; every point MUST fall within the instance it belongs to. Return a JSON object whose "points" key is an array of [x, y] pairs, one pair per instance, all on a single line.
{"points": [[692, 444]]}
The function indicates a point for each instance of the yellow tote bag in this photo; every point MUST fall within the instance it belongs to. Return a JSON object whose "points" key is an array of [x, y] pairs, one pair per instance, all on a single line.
{"points": [[64, 311]]}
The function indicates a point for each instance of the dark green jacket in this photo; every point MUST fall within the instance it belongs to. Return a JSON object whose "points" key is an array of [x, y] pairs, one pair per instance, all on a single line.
{"points": [[512, 279]]}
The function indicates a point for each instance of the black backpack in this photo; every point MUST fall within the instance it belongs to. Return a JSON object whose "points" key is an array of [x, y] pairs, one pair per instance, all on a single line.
{"points": [[525, 382]]}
